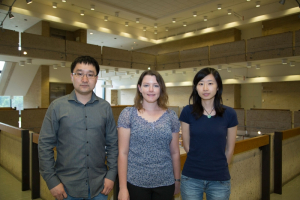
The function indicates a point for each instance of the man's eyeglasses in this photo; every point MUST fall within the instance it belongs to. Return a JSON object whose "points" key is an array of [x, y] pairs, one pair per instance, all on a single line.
{"points": [[81, 75]]}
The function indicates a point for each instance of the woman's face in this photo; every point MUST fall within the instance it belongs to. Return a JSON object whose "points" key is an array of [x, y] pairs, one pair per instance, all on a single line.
{"points": [[149, 89], [207, 87]]}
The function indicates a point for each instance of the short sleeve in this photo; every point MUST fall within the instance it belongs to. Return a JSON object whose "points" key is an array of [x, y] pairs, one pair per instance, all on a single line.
{"points": [[232, 118], [185, 114], [175, 122], [124, 118]]}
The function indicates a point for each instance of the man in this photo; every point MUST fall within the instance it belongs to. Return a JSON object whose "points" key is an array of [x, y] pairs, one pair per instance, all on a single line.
{"points": [[82, 128]]}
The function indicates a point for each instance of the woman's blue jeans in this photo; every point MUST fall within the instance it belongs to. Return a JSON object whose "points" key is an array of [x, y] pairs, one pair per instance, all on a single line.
{"points": [[193, 189]]}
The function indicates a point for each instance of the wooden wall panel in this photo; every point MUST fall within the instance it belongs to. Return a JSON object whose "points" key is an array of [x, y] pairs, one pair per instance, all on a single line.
{"points": [[297, 43], [168, 61], [228, 53], [240, 112], [32, 119], [268, 121], [272, 46], [296, 119], [38, 46], [76, 49], [116, 57], [143, 61], [10, 117], [194, 57], [9, 42], [281, 25], [204, 40]]}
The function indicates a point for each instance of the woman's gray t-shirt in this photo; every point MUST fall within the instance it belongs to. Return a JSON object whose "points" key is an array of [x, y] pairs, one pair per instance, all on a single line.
{"points": [[149, 158]]}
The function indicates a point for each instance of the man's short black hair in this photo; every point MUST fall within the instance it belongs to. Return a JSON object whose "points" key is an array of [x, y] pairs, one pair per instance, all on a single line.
{"points": [[85, 60]]}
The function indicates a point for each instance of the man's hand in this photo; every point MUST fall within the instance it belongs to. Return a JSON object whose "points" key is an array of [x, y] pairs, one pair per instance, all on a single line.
{"points": [[108, 186], [59, 192]]}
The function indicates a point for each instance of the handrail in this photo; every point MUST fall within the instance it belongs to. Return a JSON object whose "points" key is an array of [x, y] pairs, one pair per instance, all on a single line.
{"points": [[251, 143], [290, 133], [11, 129]]}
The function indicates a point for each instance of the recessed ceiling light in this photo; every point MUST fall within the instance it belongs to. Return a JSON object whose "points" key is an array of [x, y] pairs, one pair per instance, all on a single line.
{"points": [[228, 69], [55, 66], [144, 29], [54, 5], [249, 65], [25, 52], [257, 66], [82, 12], [257, 4], [155, 31], [219, 67], [167, 28], [22, 63], [29, 61], [137, 20], [28, 1], [195, 14], [184, 24], [229, 12], [106, 18], [155, 25], [92, 7], [91, 33], [219, 6], [117, 14], [126, 23], [284, 61], [149, 68], [174, 20], [292, 63], [205, 18], [63, 64], [64, 1]]}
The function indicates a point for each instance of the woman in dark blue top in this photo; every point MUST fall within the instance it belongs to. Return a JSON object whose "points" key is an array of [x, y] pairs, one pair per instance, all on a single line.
{"points": [[209, 131]]}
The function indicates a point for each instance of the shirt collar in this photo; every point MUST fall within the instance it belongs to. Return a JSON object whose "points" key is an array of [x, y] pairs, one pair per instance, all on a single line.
{"points": [[73, 97]]}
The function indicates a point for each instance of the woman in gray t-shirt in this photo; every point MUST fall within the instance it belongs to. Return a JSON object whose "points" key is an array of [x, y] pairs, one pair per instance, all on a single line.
{"points": [[149, 158]]}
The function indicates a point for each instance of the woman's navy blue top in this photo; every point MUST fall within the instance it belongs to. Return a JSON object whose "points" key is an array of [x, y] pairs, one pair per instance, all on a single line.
{"points": [[206, 158]]}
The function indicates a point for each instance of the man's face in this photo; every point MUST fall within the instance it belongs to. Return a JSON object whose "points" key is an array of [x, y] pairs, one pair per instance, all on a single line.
{"points": [[85, 84]]}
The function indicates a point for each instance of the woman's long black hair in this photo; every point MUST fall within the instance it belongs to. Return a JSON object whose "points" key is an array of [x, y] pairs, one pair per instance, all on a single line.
{"points": [[196, 99]]}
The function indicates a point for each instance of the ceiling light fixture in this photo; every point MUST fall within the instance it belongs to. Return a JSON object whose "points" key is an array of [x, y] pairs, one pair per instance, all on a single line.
{"points": [[137, 20], [149, 68], [144, 29], [55, 66], [22, 63], [155, 31], [29, 61], [229, 12], [228, 69], [184, 23], [257, 66], [174, 20], [292, 63], [282, 2], [91, 33], [248, 0], [155, 25], [249, 65], [54, 5], [64, 1], [117, 14], [25, 52], [105, 18], [195, 14], [82, 12], [284, 61], [205, 18], [92, 7], [257, 4], [28, 1], [63, 64], [126, 23], [19, 48], [167, 28], [219, 67], [219, 6]]}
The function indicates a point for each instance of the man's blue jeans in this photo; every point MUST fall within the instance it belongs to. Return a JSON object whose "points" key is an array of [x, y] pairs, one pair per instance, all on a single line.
{"points": [[193, 189]]}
